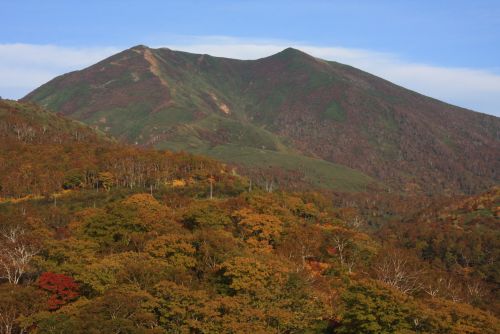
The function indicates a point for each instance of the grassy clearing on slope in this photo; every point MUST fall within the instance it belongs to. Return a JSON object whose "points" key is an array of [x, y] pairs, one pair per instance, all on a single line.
{"points": [[242, 133], [318, 172]]}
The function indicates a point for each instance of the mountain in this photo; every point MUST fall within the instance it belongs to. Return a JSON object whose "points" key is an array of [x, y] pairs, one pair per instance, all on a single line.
{"points": [[290, 110]]}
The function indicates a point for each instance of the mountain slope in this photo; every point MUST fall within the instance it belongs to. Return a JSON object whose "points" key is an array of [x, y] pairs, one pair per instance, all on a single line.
{"points": [[289, 104]]}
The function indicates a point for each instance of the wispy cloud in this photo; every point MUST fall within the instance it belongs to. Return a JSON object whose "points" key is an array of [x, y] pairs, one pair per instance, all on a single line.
{"points": [[24, 67]]}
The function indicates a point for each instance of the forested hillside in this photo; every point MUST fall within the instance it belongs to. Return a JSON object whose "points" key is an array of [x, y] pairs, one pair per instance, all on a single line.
{"points": [[99, 237]]}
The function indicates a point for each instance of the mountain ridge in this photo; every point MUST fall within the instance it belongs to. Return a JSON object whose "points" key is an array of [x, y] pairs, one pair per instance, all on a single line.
{"points": [[287, 102]]}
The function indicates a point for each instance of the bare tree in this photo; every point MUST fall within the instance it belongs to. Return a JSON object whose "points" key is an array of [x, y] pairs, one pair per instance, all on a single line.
{"points": [[340, 243], [346, 249], [475, 291], [397, 270], [8, 316], [211, 179], [452, 290], [356, 222], [433, 288], [16, 253], [446, 287]]}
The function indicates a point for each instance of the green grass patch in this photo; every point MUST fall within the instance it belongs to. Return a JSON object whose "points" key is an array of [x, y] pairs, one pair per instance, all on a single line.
{"points": [[319, 173], [335, 112]]}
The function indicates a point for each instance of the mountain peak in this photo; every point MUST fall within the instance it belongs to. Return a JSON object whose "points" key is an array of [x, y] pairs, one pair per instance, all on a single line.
{"points": [[139, 47], [292, 52]]}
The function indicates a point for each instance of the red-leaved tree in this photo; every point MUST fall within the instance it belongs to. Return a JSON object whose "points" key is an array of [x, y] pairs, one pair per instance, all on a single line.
{"points": [[62, 289]]}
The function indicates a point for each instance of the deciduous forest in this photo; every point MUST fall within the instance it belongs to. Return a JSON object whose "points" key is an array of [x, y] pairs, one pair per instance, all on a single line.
{"points": [[100, 237]]}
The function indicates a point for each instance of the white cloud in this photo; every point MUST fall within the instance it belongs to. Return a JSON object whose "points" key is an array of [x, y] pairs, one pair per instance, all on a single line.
{"points": [[24, 67]]}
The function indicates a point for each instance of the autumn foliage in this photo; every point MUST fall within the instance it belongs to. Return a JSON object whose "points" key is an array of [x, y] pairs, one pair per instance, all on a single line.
{"points": [[61, 288], [122, 247]]}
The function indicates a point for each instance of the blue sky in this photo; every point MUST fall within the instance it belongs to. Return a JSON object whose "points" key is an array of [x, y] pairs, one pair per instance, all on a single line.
{"points": [[446, 49]]}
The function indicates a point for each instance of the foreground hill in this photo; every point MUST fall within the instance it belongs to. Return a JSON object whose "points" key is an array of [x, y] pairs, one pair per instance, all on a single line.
{"points": [[289, 110], [100, 237], [42, 154]]}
